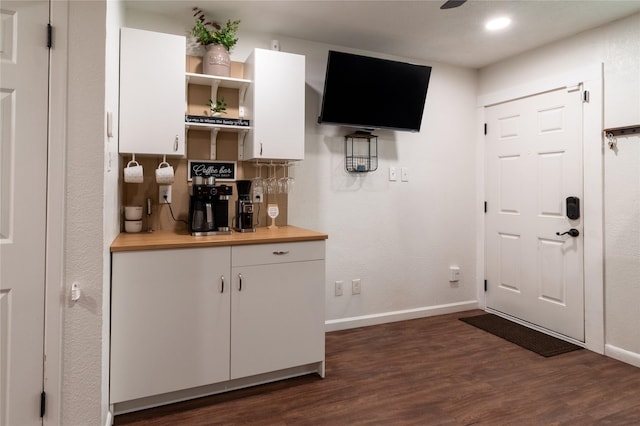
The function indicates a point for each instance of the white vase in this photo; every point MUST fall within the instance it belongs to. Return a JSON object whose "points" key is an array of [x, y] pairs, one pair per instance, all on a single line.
{"points": [[216, 61]]}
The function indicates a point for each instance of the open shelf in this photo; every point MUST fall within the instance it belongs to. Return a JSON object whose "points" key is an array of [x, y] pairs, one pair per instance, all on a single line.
{"points": [[223, 127], [214, 80]]}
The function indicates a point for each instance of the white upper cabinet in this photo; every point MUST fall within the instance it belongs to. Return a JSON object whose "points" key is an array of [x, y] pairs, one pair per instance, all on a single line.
{"points": [[152, 94], [275, 104]]}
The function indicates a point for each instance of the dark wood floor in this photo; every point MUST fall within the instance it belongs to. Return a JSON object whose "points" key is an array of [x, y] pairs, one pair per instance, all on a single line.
{"points": [[432, 371]]}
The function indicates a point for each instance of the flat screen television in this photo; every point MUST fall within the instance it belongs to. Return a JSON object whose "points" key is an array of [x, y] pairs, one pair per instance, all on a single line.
{"points": [[372, 93]]}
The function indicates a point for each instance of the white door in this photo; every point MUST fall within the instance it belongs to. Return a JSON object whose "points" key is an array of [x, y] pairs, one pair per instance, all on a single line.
{"points": [[23, 184], [533, 163]]}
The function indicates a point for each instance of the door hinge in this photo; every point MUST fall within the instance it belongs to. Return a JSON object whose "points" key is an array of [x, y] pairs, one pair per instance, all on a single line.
{"points": [[485, 206], [485, 285], [585, 96], [485, 128], [43, 403], [49, 36]]}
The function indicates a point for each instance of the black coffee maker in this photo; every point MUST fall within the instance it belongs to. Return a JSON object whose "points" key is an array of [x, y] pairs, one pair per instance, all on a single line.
{"points": [[209, 207], [244, 207]]}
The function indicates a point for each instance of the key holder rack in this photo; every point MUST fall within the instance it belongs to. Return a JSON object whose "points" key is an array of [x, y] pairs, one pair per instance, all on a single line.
{"points": [[361, 152]]}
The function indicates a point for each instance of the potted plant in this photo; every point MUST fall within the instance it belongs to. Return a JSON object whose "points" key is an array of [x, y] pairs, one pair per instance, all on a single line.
{"points": [[218, 41], [218, 107]]}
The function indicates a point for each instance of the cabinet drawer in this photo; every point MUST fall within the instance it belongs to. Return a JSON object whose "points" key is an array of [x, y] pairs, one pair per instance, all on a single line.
{"points": [[262, 254]]}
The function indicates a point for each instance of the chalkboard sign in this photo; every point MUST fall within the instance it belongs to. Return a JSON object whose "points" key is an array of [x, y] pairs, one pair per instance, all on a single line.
{"points": [[221, 170]]}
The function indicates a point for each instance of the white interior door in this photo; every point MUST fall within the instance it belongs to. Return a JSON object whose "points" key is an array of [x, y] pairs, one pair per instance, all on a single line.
{"points": [[23, 180], [533, 163]]}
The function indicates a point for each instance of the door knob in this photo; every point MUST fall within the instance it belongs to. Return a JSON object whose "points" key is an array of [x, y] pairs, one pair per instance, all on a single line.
{"points": [[572, 232]]}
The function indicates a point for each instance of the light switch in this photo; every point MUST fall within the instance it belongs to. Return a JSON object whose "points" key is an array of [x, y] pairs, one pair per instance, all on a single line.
{"points": [[393, 174], [404, 174]]}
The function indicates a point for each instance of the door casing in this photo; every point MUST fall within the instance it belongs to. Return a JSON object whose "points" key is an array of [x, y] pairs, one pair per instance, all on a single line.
{"points": [[593, 204]]}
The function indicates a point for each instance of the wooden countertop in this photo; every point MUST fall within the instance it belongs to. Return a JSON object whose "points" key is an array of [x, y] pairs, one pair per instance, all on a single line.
{"points": [[157, 240]]}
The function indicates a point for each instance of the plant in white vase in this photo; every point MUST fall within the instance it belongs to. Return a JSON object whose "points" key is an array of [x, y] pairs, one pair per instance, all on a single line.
{"points": [[218, 40]]}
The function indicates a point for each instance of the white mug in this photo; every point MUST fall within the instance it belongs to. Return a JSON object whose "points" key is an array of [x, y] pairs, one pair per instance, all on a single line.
{"points": [[133, 172], [165, 175], [133, 212]]}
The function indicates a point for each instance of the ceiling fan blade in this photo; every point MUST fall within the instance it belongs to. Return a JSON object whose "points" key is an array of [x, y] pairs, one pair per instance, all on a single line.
{"points": [[450, 4]]}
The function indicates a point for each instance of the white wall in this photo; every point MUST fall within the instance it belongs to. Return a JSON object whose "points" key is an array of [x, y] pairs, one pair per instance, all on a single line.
{"points": [[83, 362], [617, 45]]}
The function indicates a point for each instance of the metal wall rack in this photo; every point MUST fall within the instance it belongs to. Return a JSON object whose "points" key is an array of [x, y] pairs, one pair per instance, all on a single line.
{"points": [[612, 132], [361, 152]]}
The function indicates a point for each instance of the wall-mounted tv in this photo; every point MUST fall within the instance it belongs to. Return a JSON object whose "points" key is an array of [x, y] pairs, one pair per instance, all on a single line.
{"points": [[373, 93]]}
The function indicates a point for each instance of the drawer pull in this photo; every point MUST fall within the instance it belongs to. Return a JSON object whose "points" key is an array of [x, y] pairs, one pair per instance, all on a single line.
{"points": [[239, 282], [221, 283], [280, 253]]}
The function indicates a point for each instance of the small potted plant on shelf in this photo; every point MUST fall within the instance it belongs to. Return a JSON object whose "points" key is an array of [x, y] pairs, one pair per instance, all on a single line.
{"points": [[218, 107], [218, 41]]}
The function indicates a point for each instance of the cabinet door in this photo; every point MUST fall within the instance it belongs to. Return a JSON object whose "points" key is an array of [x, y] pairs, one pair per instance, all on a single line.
{"points": [[276, 105], [152, 93], [277, 317], [169, 320]]}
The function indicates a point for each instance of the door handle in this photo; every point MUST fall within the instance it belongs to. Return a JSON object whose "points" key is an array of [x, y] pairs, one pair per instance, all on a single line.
{"points": [[239, 282], [222, 284], [572, 232]]}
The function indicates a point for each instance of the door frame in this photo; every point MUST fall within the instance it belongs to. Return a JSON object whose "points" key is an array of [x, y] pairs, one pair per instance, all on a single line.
{"points": [[56, 165], [591, 77]]}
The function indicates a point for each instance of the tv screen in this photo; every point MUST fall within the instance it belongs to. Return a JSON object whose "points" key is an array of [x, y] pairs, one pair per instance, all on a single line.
{"points": [[373, 93]]}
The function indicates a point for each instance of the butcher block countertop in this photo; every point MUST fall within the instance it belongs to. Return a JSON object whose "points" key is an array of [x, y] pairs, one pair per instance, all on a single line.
{"points": [[157, 240]]}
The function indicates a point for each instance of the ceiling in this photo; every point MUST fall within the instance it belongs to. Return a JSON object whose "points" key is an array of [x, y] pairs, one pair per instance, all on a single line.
{"points": [[410, 29]]}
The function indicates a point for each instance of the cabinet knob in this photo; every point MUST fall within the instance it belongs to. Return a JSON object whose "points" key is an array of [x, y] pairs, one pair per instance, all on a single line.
{"points": [[175, 144], [221, 283], [280, 253], [239, 282]]}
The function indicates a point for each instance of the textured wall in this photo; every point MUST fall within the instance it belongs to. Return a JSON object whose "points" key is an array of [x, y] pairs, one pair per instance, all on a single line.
{"points": [[617, 45], [83, 357]]}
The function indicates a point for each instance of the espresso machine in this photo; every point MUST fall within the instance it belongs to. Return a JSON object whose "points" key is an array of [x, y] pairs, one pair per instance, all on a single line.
{"points": [[209, 207], [244, 207]]}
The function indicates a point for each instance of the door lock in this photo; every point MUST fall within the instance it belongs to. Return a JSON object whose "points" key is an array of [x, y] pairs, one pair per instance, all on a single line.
{"points": [[572, 232]]}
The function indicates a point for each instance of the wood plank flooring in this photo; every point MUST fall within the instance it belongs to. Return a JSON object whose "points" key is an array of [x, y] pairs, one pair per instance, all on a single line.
{"points": [[431, 371]]}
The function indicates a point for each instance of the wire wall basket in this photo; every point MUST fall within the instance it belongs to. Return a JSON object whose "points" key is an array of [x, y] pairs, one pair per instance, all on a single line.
{"points": [[361, 152]]}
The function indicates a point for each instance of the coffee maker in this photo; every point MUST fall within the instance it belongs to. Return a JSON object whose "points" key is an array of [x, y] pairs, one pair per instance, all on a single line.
{"points": [[244, 207], [209, 207]]}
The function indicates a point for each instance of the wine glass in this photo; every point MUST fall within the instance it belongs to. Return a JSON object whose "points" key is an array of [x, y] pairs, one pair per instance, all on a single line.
{"points": [[258, 182], [272, 181], [286, 182], [272, 212]]}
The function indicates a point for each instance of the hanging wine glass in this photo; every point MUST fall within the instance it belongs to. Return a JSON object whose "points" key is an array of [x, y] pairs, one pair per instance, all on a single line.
{"points": [[286, 182], [272, 181], [258, 182]]}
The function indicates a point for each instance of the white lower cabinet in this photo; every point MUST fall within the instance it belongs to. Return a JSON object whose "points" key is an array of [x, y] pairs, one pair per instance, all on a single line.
{"points": [[184, 318], [169, 320], [277, 307]]}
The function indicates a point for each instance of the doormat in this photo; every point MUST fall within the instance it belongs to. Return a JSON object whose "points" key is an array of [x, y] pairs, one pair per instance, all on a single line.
{"points": [[530, 339]]}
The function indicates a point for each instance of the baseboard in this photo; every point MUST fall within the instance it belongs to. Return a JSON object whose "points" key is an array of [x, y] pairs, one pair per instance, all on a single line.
{"points": [[622, 355], [407, 314]]}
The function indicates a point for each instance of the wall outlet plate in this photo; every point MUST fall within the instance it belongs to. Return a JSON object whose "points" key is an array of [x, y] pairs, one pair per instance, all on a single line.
{"points": [[164, 190]]}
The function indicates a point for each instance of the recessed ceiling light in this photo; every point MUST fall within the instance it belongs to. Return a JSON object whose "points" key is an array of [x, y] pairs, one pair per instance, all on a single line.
{"points": [[498, 23]]}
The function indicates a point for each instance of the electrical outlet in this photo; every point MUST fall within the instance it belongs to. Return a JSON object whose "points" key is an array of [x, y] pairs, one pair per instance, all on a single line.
{"points": [[355, 286], [338, 290], [257, 194], [164, 194]]}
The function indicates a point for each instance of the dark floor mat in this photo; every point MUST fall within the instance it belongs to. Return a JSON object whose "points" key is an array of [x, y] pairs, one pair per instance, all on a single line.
{"points": [[535, 341]]}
